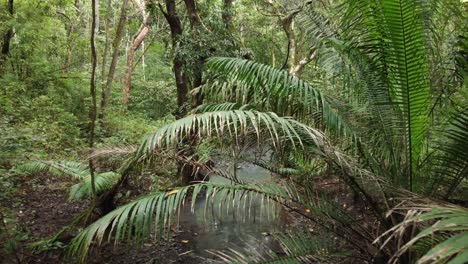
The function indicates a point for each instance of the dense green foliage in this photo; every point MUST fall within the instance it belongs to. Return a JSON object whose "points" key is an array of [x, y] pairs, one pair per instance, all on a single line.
{"points": [[371, 94]]}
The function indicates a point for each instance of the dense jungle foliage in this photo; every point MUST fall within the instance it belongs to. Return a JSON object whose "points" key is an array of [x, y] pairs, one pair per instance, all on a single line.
{"points": [[115, 116]]}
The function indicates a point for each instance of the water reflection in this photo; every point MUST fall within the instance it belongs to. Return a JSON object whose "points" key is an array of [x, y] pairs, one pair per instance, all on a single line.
{"points": [[242, 223]]}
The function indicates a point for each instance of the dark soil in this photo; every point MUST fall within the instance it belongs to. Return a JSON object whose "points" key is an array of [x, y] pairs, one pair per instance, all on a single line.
{"points": [[41, 209]]}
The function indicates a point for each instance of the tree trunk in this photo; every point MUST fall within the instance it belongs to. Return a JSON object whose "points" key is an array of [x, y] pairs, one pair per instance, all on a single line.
{"points": [[287, 24], [106, 44], [93, 107], [297, 68], [184, 170], [6, 40], [195, 23], [105, 93], [127, 83], [137, 39], [227, 14], [293, 63], [192, 13], [180, 77]]}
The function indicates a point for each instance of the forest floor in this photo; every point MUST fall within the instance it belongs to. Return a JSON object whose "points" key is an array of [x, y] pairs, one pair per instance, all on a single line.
{"points": [[41, 209]]}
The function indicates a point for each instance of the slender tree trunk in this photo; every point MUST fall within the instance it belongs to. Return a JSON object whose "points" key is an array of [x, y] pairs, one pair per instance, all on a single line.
{"points": [[137, 39], [136, 42], [195, 24], [6, 40], [297, 68], [294, 62], [184, 170], [192, 13], [105, 93], [287, 24], [227, 14], [178, 63], [93, 108], [106, 44]]}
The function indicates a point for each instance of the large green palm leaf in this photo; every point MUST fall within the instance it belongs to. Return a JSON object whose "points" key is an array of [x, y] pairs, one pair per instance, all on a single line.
{"points": [[451, 158], [449, 222], [389, 36], [299, 247], [266, 126], [407, 70], [103, 181], [270, 89], [135, 221]]}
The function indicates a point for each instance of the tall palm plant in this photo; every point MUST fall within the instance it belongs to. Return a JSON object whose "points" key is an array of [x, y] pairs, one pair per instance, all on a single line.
{"points": [[384, 46]]}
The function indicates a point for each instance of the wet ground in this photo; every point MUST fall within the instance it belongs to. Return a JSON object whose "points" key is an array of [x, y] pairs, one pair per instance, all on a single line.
{"points": [[41, 208]]}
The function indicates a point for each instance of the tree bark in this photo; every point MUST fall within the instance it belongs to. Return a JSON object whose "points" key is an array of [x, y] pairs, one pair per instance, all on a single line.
{"points": [[185, 171], [178, 63], [137, 39], [297, 68], [6, 39], [287, 24], [227, 14], [93, 107], [192, 13], [293, 62], [105, 93], [106, 43], [195, 23]]}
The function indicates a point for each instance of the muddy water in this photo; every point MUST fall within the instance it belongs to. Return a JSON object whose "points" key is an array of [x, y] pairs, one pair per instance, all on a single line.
{"points": [[244, 224]]}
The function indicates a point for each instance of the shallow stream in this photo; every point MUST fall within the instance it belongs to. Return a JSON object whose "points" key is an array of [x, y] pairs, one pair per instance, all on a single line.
{"points": [[245, 226]]}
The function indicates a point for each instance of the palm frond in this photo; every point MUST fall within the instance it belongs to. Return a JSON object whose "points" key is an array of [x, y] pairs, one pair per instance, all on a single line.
{"points": [[407, 70], [385, 42], [270, 89], [352, 56], [114, 150], [221, 107], [452, 158], [103, 182], [233, 123], [297, 247], [448, 220], [71, 169], [135, 221], [77, 171]]}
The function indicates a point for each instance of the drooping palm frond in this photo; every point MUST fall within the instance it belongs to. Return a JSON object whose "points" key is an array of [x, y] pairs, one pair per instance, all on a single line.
{"points": [[103, 182], [450, 221], [279, 131], [452, 158], [297, 247], [71, 169], [233, 123], [114, 150], [155, 212], [270, 89], [221, 107], [77, 171]]}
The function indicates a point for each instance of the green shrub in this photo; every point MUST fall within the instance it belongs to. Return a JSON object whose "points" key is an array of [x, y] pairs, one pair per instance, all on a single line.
{"points": [[129, 129]]}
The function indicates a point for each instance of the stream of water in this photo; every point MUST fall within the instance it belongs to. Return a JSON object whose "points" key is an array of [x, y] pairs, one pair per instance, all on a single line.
{"points": [[246, 226]]}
